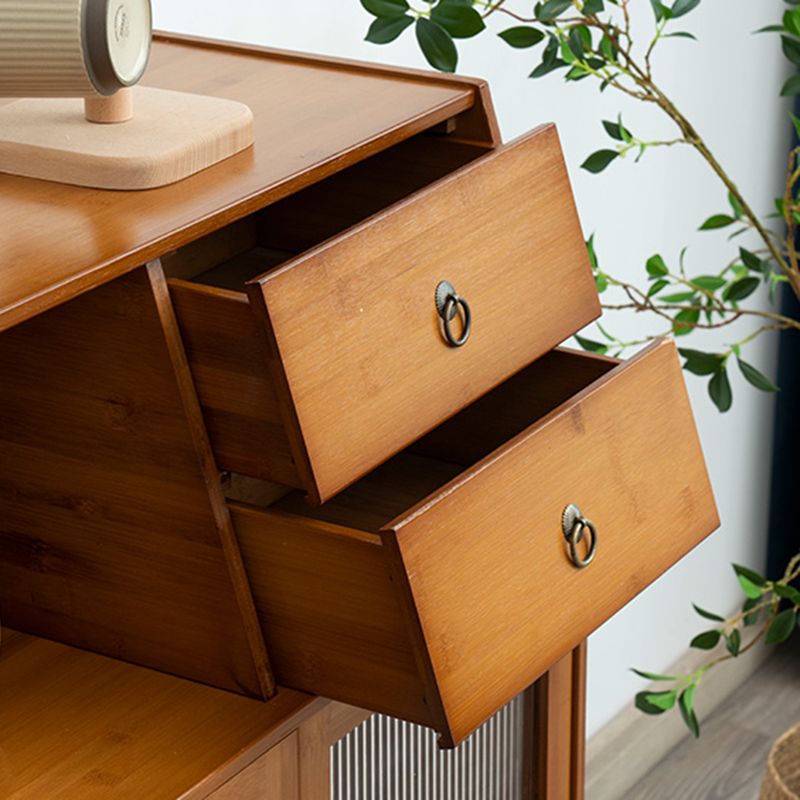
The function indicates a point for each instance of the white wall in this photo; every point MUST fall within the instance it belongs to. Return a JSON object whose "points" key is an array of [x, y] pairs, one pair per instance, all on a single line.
{"points": [[728, 84]]}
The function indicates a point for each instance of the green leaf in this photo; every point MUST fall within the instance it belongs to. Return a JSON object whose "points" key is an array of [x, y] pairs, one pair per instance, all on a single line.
{"points": [[659, 9], [680, 35], [655, 702], [707, 614], [700, 363], [521, 36], [656, 267], [740, 289], [552, 9], [680, 297], [733, 642], [550, 59], [709, 283], [707, 640], [684, 321], [751, 260], [593, 7], [386, 29], [599, 160], [616, 130], [749, 588], [751, 575], [592, 252], [791, 49], [717, 221], [782, 627], [756, 378], [719, 390], [750, 619], [601, 282], [791, 21], [591, 345], [787, 593], [460, 21], [735, 205], [653, 676], [681, 7], [386, 8], [657, 287], [796, 123], [436, 45], [792, 87], [686, 703]]}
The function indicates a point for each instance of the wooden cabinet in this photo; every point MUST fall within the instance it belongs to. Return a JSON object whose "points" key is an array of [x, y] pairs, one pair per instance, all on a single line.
{"points": [[441, 579], [240, 450], [354, 359]]}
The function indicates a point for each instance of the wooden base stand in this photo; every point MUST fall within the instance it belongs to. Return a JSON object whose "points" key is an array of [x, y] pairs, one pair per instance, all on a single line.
{"points": [[171, 136]]}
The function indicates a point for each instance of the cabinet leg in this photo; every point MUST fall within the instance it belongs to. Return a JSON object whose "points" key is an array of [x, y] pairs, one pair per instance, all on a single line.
{"points": [[556, 731]]}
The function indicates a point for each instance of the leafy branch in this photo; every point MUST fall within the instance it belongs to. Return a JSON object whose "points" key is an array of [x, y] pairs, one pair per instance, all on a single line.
{"points": [[593, 39], [771, 611]]}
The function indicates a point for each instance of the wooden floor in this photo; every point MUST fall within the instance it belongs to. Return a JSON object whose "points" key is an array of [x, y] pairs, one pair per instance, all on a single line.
{"points": [[727, 763]]}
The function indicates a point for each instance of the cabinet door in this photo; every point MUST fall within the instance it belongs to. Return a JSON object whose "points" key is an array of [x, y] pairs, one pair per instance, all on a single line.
{"points": [[273, 776]]}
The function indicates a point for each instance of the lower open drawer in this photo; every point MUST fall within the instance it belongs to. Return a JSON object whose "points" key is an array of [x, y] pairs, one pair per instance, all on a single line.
{"points": [[441, 585]]}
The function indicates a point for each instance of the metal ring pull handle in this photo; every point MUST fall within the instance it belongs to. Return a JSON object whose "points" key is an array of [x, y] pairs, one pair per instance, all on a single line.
{"points": [[576, 527], [448, 303]]}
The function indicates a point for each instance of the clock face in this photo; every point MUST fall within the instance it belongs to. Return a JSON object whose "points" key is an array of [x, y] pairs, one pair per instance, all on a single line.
{"points": [[128, 32]]}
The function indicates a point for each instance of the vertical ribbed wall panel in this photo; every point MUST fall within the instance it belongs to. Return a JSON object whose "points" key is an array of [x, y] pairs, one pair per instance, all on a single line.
{"points": [[385, 759], [40, 49]]}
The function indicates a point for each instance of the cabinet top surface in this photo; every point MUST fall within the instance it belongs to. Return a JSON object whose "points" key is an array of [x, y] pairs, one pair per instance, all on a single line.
{"points": [[79, 725], [313, 116]]}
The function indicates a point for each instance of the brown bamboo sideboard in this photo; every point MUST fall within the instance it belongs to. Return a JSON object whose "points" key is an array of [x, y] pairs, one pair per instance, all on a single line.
{"points": [[300, 426]]}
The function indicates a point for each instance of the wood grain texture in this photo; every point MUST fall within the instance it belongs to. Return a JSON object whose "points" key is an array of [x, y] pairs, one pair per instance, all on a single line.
{"points": [[211, 477], [368, 304], [329, 612], [476, 556], [225, 350], [578, 702], [317, 737], [312, 118], [78, 726], [327, 208], [113, 535], [274, 776], [557, 729], [171, 136], [473, 543]]}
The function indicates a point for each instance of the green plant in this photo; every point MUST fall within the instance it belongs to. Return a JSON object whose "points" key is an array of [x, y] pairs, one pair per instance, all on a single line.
{"points": [[593, 39]]}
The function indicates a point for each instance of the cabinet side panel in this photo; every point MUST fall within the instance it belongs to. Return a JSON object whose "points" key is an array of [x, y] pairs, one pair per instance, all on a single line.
{"points": [[108, 537]]}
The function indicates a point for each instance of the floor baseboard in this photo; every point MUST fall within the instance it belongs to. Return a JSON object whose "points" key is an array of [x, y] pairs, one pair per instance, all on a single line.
{"points": [[629, 746]]}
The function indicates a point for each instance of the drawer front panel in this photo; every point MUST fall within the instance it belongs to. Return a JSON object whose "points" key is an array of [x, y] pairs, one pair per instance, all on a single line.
{"points": [[358, 345], [490, 592]]}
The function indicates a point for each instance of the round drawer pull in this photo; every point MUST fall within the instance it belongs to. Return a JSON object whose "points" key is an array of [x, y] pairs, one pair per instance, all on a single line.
{"points": [[576, 527], [448, 303]]}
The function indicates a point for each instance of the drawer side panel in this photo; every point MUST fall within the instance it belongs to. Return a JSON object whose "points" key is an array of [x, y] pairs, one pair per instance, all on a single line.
{"points": [[329, 612]]}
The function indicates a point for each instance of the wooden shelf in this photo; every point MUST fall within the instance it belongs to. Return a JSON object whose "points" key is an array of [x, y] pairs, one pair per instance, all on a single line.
{"points": [[78, 726], [313, 117]]}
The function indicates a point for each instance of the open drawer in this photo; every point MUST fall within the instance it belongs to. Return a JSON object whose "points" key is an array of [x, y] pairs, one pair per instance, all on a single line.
{"points": [[318, 349], [441, 585]]}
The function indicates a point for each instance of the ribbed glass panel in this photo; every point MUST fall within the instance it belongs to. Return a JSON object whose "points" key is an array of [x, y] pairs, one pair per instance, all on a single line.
{"points": [[385, 759]]}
